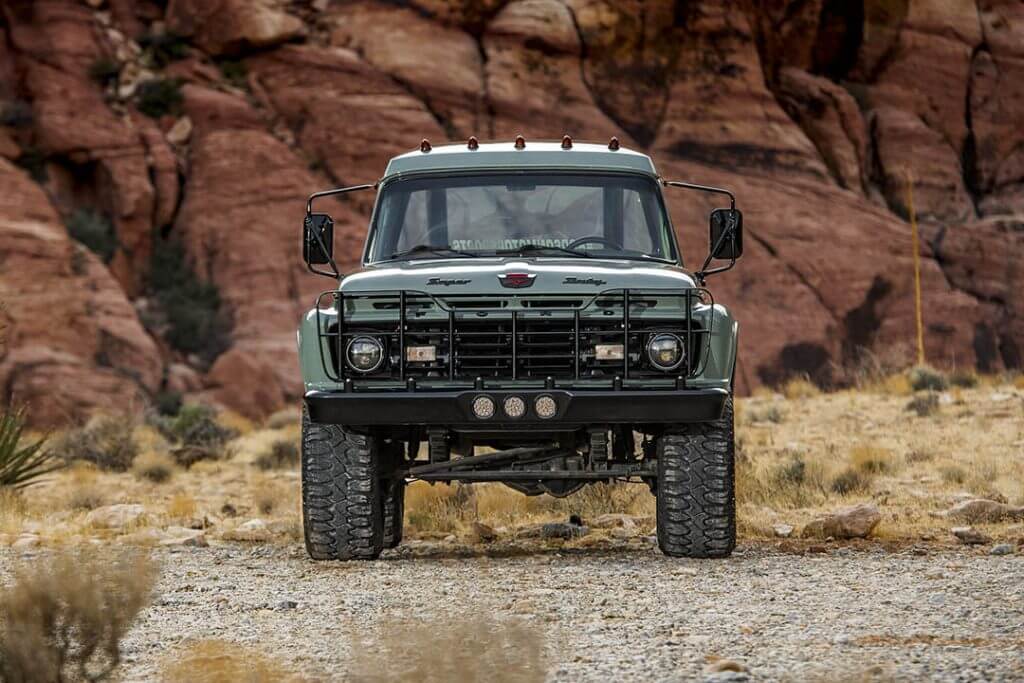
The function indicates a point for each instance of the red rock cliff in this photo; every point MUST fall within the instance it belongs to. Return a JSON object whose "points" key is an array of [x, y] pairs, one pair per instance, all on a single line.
{"points": [[198, 127]]}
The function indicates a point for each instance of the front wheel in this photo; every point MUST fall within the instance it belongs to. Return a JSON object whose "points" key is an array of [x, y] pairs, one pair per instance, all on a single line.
{"points": [[696, 506], [342, 514]]}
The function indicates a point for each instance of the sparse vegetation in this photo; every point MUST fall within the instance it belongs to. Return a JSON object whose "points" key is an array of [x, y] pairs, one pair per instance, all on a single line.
{"points": [[195, 322], [924, 378], [851, 480], [107, 441], [965, 379], [104, 70], [220, 661], [159, 97], [799, 387], [434, 652], [22, 461], [65, 615], [235, 73], [154, 466], [160, 49], [924, 404], [95, 231], [872, 459], [770, 413], [281, 453]]}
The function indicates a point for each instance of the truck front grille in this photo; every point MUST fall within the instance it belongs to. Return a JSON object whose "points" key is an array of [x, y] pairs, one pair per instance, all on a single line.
{"points": [[520, 337]]}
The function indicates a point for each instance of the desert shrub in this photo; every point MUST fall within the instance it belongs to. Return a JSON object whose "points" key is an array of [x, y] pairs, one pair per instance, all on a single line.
{"points": [[872, 459], [793, 482], [919, 455], [167, 403], [924, 404], [770, 413], [799, 387], [22, 461], [195, 321], [966, 379], [432, 652], [16, 114], [95, 231], [156, 466], [281, 453], [103, 70], [851, 480], [107, 441], [159, 97], [924, 378], [160, 49], [235, 73], [196, 425], [64, 616], [219, 661], [441, 507]]}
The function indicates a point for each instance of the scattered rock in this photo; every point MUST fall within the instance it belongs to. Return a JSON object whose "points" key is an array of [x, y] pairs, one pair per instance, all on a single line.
{"points": [[116, 516], [26, 541], [563, 530], [613, 519], [180, 132], [721, 665], [228, 510], [981, 510], [253, 530], [181, 536], [783, 530], [450, 538], [286, 605], [624, 532], [1001, 549], [968, 535], [852, 522]]}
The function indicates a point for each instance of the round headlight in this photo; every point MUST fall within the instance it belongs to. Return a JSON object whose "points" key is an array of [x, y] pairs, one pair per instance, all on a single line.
{"points": [[483, 407], [665, 351], [515, 406], [365, 354], [546, 407]]}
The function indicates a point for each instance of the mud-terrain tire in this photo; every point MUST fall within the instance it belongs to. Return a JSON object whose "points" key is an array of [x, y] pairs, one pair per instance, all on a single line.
{"points": [[696, 505], [394, 512], [342, 514]]}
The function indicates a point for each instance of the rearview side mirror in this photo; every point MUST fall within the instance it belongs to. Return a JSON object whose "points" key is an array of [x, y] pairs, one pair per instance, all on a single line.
{"points": [[726, 234], [318, 239]]}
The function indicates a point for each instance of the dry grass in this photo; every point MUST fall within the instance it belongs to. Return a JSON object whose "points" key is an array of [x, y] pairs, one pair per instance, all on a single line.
{"points": [[86, 493], [154, 466], [280, 453], [799, 388], [220, 661], [65, 614], [472, 650], [107, 441]]}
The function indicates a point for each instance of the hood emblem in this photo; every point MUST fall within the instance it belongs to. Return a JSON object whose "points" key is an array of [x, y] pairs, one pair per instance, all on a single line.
{"points": [[517, 280], [446, 282], [584, 281]]}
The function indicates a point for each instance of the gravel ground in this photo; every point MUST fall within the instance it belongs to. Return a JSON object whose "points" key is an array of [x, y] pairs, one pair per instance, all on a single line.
{"points": [[612, 613]]}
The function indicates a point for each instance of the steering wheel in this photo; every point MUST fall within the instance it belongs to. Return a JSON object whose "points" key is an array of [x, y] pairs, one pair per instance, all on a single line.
{"points": [[593, 239]]}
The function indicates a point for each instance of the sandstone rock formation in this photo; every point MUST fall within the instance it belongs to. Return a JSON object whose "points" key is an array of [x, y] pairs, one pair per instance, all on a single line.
{"points": [[817, 113]]}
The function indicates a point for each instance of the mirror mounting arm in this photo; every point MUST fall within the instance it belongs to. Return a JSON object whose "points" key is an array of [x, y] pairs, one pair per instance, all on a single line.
{"points": [[309, 212], [703, 273]]}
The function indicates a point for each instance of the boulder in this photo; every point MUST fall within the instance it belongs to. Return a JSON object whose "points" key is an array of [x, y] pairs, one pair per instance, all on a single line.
{"points": [[968, 535], [118, 517], [852, 522], [230, 27]]}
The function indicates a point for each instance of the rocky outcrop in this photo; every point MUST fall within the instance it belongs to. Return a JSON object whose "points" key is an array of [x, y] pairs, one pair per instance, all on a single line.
{"points": [[72, 342], [817, 113]]}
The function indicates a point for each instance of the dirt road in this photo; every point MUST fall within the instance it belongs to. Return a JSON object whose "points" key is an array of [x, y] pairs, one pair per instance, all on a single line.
{"points": [[608, 613]]}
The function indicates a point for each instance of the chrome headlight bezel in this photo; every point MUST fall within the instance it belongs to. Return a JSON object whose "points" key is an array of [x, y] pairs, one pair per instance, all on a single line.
{"points": [[665, 336], [359, 340]]}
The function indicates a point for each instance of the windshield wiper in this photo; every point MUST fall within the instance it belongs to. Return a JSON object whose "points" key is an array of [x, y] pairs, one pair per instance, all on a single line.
{"points": [[431, 249], [534, 248]]}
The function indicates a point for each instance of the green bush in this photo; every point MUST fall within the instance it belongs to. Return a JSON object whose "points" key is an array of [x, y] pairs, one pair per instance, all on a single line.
{"points": [[160, 49], [924, 378], [104, 70], [196, 425], [21, 462], [195, 321], [924, 404], [95, 231], [965, 379], [167, 403], [158, 97]]}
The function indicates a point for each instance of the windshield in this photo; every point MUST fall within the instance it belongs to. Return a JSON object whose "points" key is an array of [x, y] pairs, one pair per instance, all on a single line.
{"points": [[575, 215]]}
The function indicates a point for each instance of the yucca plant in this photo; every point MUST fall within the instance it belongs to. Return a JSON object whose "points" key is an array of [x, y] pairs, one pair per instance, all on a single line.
{"points": [[21, 464]]}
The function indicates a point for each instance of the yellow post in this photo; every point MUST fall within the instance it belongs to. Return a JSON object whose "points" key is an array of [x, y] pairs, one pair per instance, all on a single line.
{"points": [[917, 267]]}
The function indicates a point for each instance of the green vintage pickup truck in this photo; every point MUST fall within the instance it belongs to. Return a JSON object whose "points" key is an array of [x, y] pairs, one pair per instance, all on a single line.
{"points": [[522, 316]]}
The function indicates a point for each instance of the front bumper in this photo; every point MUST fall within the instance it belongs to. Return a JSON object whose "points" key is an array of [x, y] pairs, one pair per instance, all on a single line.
{"points": [[575, 407]]}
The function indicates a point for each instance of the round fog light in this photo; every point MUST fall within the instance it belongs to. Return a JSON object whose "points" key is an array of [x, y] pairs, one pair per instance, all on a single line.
{"points": [[515, 406], [545, 407], [483, 407]]}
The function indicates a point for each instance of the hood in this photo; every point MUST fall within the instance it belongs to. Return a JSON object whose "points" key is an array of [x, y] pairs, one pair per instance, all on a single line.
{"points": [[545, 276]]}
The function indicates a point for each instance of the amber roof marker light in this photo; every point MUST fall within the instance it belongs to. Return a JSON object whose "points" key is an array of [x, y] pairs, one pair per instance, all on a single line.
{"points": [[566, 142], [425, 146], [473, 143], [520, 142], [613, 144]]}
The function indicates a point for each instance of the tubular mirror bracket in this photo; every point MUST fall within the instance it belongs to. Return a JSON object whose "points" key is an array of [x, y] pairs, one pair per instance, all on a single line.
{"points": [[703, 273], [309, 212]]}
